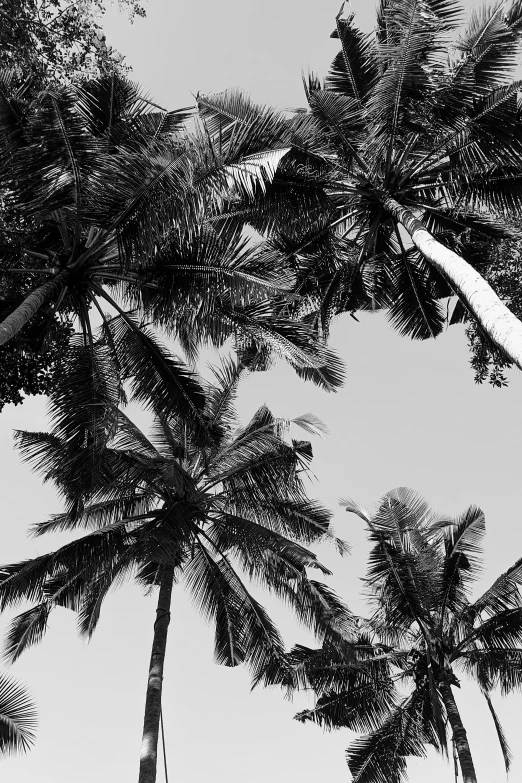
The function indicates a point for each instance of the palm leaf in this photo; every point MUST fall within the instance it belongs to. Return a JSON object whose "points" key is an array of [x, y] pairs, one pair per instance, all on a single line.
{"points": [[353, 70], [503, 593], [506, 752], [156, 378], [17, 717], [462, 538], [26, 630], [361, 707], [381, 756]]}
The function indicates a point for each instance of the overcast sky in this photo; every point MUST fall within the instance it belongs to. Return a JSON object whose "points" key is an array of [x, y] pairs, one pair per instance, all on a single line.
{"points": [[409, 414]]}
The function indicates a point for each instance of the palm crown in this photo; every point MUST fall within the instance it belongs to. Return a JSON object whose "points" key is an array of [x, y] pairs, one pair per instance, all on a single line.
{"points": [[108, 201], [418, 134], [200, 503], [425, 630]]}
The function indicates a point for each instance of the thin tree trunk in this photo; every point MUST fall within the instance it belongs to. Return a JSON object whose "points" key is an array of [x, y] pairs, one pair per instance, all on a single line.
{"points": [[499, 323], [459, 733], [151, 722], [14, 322]]}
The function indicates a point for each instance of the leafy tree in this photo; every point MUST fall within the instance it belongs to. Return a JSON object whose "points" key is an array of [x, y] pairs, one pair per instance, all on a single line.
{"points": [[425, 630], [504, 273], [210, 505], [50, 42], [17, 717], [45, 43], [422, 141]]}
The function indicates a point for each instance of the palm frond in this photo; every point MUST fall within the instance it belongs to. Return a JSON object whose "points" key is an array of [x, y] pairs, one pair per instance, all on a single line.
{"points": [[414, 310], [156, 378], [380, 757], [17, 717], [244, 632], [462, 539], [353, 70], [97, 515], [26, 630], [401, 566], [500, 632], [416, 32], [503, 593], [504, 746], [361, 707], [488, 47], [253, 545], [494, 668], [85, 556]]}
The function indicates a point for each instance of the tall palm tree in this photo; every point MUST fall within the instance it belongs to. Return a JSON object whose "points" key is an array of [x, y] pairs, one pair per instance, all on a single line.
{"points": [[108, 202], [422, 140], [425, 631], [210, 505], [17, 717]]}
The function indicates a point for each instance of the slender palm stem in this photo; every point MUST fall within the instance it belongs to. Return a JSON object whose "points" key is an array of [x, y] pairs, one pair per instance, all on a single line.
{"points": [[460, 737], [14, 322], [152, 718], [499, 323]]}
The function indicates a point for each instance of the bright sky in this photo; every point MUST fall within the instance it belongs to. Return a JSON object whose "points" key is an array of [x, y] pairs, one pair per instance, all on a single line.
{"points": [[409, 414]]}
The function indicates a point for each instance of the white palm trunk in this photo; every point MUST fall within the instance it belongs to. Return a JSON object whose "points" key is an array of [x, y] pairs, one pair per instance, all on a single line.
{"points": [[499, 323]]}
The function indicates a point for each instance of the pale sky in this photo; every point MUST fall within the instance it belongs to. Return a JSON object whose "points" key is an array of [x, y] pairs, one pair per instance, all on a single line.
{"points": [[409, 414]]}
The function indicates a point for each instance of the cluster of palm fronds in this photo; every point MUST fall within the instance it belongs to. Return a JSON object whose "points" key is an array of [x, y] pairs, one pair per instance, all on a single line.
{"points": [[235, 223], [393, 674]]}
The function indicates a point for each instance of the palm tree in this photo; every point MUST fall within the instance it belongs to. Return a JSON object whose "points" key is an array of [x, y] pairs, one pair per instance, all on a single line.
{"points": [[425, 630], [17, 717], [108, 202], [423, 144], [202, 503]]}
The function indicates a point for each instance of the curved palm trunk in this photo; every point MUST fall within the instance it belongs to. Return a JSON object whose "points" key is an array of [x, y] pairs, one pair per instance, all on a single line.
{"points": [[14, 322], [498, 322], [459, 733], [151, 722]]}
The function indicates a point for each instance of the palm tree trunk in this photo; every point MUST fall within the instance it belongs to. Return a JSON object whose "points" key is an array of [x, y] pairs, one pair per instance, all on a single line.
{"points": [[459, 733], [151, 722], [16, 320], [499, 323]]}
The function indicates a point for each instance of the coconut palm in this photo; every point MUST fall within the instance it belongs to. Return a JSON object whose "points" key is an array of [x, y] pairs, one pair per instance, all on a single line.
{"points": [[17, 717], [423, 142], [108, 202], [425, 632], [214, 506]]}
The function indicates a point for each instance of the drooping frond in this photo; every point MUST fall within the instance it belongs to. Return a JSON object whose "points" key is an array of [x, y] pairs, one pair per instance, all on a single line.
{"points": [[381, 756], [414, 310], [157, 379], [504, 746], [26, 630], [244, 631], [17, 717], [494, 668]]}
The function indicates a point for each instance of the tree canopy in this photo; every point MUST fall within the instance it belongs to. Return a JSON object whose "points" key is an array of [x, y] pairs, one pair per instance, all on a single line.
{"points": [[394, 676]]}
